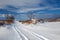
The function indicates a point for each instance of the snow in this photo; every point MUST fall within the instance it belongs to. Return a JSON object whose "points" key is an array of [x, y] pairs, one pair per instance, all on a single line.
{"points": [[39, 31], [49, 30], [8, 33]]}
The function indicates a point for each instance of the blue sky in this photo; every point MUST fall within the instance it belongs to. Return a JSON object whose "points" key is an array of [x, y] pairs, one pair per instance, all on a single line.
{"points": [[42, 8]]}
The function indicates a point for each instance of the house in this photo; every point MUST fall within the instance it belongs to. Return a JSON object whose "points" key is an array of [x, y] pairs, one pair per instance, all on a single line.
{"points": [[6, 19]]}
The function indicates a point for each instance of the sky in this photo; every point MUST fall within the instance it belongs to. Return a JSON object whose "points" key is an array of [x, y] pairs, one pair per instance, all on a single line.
{"points": [[31, 3], [44, 8], [28, 3]]}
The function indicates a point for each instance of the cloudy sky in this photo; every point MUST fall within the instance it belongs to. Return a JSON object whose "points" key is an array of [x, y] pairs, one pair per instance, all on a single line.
{"points": [[47, 6], [31, 3], [20, 2]]}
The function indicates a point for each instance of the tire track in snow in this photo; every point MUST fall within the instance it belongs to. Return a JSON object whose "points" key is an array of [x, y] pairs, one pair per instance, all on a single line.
{"points": [[20, 38], [35, 34], [21, 34], [39, 36], [12, 29]]}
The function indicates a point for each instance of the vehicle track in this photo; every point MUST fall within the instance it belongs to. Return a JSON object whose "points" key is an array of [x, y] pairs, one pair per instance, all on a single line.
{"points": [[21, 34], [40, 37], [35, 34], [20, 38]]}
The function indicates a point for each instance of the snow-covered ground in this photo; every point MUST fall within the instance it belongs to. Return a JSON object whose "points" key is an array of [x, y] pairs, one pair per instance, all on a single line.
{"points": [[50, 30], [39, 31], [7, 32]]}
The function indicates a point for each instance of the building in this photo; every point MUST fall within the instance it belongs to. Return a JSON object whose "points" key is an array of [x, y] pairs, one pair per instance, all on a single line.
{"points": [[6, 19]]}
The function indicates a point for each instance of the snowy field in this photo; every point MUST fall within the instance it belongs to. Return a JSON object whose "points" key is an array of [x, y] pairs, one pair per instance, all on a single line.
{"points": [[7, 33], [49, 30], [39, 31]]}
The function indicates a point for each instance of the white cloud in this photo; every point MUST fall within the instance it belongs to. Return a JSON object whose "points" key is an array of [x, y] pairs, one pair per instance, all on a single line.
{"points": [[54, 8], [20, 2], [31, 9]]}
